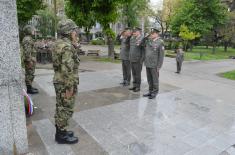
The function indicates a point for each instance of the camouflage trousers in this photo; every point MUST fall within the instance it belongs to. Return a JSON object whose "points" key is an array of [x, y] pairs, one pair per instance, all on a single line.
{"points": [[29, 72], [65, 100]]}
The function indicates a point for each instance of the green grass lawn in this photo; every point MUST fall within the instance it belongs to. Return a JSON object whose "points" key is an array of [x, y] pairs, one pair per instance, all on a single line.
{"points": [[206, 53], [229, 75]]}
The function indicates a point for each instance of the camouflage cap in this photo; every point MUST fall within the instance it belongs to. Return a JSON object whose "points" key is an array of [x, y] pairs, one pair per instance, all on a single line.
{"points": [[66, 26], [28, 29]]}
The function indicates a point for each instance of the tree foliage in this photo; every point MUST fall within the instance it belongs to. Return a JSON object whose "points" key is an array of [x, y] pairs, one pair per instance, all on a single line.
{"points": [[27, 8], [227, 31], [82, 14], [104, 12], [46, 22], [132, 10], [187, 35], [163, 17], [199, 16]]}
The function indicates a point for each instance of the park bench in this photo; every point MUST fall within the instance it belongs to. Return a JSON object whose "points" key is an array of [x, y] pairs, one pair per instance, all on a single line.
{"points": [[116, 56], [93, 52], [231, 57]]}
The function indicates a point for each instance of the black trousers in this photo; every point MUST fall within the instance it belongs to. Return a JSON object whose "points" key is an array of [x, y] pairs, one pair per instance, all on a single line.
{"points": [[136, 68], [153, 79], [126, 70]]}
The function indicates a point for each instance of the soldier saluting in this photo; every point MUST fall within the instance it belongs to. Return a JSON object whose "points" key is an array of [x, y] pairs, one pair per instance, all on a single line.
{"points": [[154, 55], [124, 37], [136, 58]]}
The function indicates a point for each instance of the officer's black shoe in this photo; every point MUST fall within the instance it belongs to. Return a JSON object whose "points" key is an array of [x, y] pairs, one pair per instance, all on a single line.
{"points": [[177, 72], [147, 95], [122, 83], [126, 84], [136, 90], [62, 137], [152, 96], [31, 91], [133, 88]]}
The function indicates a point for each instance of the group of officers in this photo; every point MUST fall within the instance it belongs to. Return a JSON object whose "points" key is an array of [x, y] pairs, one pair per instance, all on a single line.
{"points": [[135, 50]]}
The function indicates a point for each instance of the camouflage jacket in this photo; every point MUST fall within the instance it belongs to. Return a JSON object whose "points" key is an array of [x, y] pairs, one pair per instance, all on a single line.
{"points": [[65, 62], [154, 53], [29, 53]]}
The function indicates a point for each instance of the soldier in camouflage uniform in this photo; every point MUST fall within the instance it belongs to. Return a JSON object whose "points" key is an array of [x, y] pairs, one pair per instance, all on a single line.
{"points": [[29, 58], [124, 38], [65, 63], [179, 59], [136, 58], [154, 55]]}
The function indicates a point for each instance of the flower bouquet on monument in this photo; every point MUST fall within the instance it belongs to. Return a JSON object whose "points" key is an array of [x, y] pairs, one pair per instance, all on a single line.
{"points": [[28, 103]]}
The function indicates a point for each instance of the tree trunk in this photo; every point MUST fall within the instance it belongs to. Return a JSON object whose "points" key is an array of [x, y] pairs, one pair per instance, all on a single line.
{"points": [[191, 46], [110, 47], [225, 47], [186, 46], [213, 49]]}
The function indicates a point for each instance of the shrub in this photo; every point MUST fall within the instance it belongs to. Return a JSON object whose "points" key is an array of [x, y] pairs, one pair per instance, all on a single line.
{"points": [[97, 42]]}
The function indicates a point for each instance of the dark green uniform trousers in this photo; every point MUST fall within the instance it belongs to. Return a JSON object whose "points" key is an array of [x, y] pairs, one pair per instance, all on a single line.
{"points": [[153, 79], [126, 69], [179, 65], [136, 68]]}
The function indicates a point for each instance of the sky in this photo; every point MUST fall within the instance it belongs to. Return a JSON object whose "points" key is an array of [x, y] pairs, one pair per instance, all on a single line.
{"points": [[157, 4]]}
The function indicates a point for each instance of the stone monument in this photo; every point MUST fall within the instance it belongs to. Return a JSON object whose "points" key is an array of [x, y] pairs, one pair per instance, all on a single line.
{"points": [[13, 132]]}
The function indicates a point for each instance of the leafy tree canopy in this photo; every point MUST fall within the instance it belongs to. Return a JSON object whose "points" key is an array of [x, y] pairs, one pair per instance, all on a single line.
{"points": [[27, 8], [199, 16]]}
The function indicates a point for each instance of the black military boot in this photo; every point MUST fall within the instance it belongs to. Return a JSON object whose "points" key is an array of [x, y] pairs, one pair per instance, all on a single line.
{"points": [[69, 133], [34, 88], [30, 90], [62, 137], [147, 95]]}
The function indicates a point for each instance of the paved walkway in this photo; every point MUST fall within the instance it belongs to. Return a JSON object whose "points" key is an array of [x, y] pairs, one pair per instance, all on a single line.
{"points": [[192, 115]]}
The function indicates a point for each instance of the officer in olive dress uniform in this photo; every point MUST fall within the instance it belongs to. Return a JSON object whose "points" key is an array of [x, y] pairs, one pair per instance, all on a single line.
{"points": [[154, 55], [136, 58], [179, 59], [124, 38]]}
